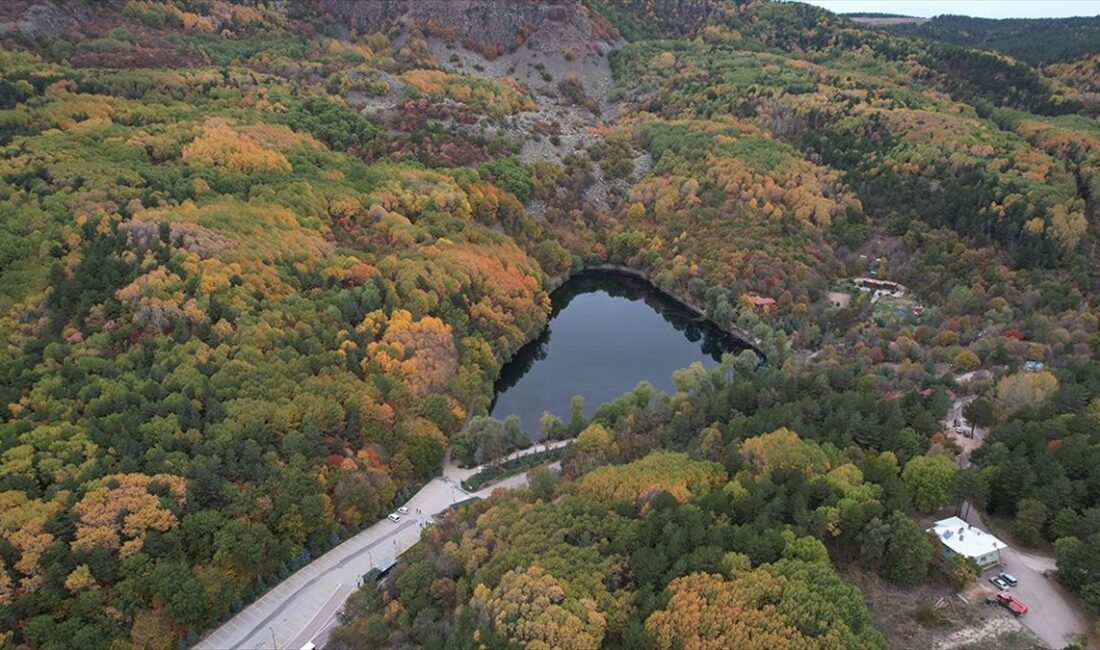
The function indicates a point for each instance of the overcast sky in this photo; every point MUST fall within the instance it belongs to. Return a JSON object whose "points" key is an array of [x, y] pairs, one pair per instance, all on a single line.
{"points": [[980, 8]]}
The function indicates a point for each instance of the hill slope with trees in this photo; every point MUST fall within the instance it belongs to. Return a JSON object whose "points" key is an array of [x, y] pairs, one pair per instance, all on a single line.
{"points": [[1037, 41], [260, 262]]}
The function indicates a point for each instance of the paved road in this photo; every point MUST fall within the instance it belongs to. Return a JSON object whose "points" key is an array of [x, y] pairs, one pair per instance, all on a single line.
{"points": [[303, 607]]}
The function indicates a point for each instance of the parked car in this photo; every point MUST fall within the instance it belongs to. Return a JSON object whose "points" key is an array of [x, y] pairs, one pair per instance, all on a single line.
{"points": [[403, 510], [394, 517], [1012, 603], [1009, 579], [999, 583]]}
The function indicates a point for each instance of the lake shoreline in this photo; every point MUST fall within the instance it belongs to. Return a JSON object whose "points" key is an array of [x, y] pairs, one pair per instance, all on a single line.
{"points": [[625, 340], [742, 336]]}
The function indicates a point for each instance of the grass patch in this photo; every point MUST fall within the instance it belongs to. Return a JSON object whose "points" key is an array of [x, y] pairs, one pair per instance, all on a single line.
{"points": [[930, 617]]}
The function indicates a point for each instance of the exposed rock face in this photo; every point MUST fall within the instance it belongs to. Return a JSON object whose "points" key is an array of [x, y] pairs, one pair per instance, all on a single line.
{"points": [[488, 26], [40, 21]]}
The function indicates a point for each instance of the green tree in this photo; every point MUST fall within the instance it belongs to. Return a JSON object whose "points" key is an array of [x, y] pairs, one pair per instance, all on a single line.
{"points": [[1064, 523], [511, 175], [577, 421], [551, 427], [542, 482], [971, 489], [1031, 518], [931, 479], [981, 412], [966, 360], [907, 551], [1078, 564]]}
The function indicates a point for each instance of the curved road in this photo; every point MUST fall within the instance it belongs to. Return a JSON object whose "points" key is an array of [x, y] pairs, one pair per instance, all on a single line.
{"points": [[303, 608]]}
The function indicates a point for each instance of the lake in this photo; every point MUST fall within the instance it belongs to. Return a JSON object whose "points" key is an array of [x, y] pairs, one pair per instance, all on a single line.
{"points": [[606, 333]]}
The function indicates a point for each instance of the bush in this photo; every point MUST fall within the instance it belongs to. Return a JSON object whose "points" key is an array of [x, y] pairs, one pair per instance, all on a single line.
{"points": [[338, 127], [510, 175], [930, 617]]}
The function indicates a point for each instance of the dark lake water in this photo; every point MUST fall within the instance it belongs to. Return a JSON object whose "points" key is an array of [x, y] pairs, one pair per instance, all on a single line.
{"points": [[607, 332]]}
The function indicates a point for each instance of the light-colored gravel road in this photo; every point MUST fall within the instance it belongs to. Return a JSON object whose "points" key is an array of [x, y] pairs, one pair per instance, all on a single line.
{"points": [[1053, 614]]}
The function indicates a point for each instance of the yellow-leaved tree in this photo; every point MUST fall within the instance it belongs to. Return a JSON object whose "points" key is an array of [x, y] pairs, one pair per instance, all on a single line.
{"points": [[422, 352], [531, 607], [122, 507], [219, 145]]}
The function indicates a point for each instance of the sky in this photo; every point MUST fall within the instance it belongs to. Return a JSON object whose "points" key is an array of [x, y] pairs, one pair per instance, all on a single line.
{"points": [[978, 8]]}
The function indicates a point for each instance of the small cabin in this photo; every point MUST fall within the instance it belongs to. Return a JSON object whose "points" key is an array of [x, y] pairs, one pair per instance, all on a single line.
{"points": [[761, 303], [957, 537], [379, 572]]}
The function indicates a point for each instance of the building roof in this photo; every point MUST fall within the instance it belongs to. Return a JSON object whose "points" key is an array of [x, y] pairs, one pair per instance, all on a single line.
{"points": [[760, 301], [964, 539]]}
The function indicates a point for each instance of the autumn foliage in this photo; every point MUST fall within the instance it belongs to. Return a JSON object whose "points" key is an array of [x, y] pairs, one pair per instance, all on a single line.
{"points": [[254, 279], [791, 604], [221, 146], [668, 472]]}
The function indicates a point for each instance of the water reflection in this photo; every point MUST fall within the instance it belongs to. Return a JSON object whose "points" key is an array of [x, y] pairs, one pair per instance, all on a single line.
{"points": [[607, 332]]}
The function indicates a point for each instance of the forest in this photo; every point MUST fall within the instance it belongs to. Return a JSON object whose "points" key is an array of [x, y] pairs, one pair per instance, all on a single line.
{"points": [[1051, 40], [261, 264], [728, 541]]}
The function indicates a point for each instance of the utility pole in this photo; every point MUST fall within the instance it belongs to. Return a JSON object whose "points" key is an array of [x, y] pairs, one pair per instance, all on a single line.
{"points": [[273, 644]]}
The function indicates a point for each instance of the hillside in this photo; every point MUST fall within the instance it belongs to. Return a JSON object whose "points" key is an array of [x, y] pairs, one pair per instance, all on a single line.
{"points": [[261, 262], [1037, 41]]}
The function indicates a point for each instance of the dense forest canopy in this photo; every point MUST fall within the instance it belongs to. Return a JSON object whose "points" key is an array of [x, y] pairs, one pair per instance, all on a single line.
{"points": [[261, 263], [1036, 41]]}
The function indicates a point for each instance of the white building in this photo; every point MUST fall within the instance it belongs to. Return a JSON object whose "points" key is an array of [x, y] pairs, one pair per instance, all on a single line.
{"points": [[960, 538]]}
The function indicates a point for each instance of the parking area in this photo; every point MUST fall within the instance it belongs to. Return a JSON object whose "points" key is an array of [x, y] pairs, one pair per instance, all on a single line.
{"points": [[1051, 615]]}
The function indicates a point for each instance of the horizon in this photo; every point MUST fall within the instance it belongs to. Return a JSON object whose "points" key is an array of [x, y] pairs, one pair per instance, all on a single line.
{"points": [[971, 8]]}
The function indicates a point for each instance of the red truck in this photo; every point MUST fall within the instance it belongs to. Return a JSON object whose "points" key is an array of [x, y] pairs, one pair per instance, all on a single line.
{"points": [[1011, 603]]}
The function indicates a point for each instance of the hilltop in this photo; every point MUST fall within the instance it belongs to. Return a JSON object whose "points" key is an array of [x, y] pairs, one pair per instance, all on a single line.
{"points": [[1037, 41]]}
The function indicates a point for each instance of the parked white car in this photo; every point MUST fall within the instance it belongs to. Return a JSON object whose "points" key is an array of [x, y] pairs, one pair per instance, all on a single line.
{"points": [[394, 517], [403, 510]]}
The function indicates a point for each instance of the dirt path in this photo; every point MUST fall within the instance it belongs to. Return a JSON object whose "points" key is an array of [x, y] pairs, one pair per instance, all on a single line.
{"points": [[981, 635], [966, 435]]}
